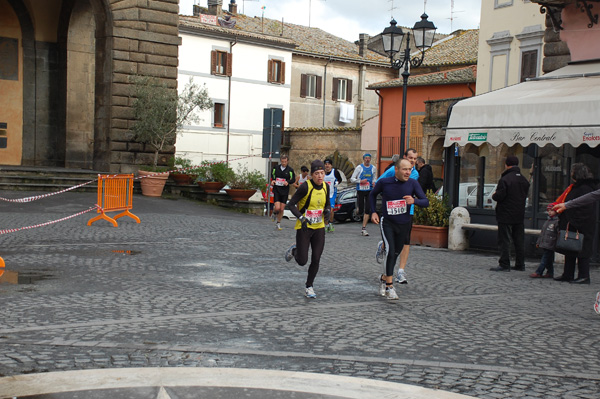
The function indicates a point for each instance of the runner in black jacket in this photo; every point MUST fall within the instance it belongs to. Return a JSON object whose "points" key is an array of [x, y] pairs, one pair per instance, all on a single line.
{"points": [[282, 176]]}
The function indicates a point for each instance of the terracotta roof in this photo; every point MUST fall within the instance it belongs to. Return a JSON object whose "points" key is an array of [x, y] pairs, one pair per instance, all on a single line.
{"points": [[193, 23], [308, 40], [453, 76], [458, 49]]}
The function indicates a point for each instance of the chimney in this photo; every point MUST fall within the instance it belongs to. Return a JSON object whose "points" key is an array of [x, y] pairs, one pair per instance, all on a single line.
{"points": [[196, 10], [215, 7], [233, 7], [363, 41]]}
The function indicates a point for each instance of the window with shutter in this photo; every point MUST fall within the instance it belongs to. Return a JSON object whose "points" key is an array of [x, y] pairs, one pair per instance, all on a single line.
{"points": [[221, 62], [303, 83], [319, 87], [529, 60], [342, 90], [219, 115], [416, 133], [334, 89], [276, 73]]}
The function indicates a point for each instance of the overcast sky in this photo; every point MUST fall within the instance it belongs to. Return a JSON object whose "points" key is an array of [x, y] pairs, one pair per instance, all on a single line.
{"points": [[349, 18]]}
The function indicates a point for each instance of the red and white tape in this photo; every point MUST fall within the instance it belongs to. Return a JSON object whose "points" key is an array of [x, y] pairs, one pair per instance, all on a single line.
{"points": [[6, 231], [37, 197]]}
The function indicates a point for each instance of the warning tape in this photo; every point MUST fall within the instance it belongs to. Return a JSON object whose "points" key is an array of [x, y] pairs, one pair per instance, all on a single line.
{"points": [[38, 197], [6, 231]]}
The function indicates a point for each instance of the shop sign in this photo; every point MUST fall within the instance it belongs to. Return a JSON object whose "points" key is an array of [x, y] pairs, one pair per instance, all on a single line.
{"points": [[590, 137], [478, 136]]}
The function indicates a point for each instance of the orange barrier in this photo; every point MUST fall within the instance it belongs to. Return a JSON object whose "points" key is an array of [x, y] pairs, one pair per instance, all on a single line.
{"points": [[1, 267], [115, 193]]}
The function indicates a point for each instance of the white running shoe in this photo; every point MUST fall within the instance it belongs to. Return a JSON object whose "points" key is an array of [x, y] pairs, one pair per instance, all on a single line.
{"points": [[380, 254], [390, 293], [401, 277], [289, 254], [597, 304], [310, 293], [278, 227], [364, 232], [381, 286]]}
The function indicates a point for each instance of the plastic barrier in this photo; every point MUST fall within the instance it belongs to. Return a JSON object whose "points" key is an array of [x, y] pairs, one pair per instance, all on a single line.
{"points": [[1, 267], [115, 193]]}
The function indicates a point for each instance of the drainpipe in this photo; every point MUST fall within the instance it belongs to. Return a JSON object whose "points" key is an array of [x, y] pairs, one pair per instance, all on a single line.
{"points": [[231, 44], [325, 89], [380, 131], [360, 112]]}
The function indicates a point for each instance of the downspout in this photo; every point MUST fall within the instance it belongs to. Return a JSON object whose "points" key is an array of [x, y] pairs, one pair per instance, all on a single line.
{"points": [[325, 89], [380, 132], [360, 112], [231, 44]]}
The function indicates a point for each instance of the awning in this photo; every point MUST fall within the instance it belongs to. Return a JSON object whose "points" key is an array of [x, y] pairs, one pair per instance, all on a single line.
{"points": [[558, 108]]}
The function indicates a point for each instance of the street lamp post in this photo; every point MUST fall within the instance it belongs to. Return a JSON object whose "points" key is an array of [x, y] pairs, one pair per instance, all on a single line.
{"points": [[423, 34]]}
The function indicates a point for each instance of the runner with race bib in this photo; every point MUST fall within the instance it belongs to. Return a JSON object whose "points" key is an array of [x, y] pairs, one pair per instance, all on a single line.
{"points": [[310, 205], [398, 194]]}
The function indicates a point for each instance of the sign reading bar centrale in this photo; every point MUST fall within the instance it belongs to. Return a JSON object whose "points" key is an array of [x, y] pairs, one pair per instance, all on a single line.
{"points": [[575, 136]]}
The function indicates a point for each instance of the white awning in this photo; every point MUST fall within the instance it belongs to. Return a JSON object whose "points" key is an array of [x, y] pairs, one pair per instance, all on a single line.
{"points": [[558, 108]]}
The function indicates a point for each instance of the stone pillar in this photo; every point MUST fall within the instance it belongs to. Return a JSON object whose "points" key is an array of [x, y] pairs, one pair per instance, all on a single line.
{"points": [[215, 7], [457, 237]]}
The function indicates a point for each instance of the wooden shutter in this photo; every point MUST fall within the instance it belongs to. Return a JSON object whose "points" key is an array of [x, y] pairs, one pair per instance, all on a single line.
{"points": [[229, 66], [319, 88], [282, 80], [416, 133], [334, 91], [213, 62], [303, 78], [270, 71], [528, 64], [349, 91]]}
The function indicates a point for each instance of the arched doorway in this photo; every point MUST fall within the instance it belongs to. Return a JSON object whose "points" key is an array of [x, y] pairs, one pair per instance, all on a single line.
{"points": [[59, 97]]}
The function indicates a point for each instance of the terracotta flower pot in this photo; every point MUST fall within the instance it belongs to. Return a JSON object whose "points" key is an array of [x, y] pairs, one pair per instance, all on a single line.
{"points": [[182, 179], [212, 186], [240, 194], [429, 236], [153, 186]]}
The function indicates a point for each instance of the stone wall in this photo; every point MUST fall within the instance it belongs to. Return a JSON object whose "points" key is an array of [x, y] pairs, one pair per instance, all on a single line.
{"points": [[145, 42], [308, 144]]}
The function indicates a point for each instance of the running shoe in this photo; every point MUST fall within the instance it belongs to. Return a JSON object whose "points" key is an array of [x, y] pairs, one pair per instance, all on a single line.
{"points": [[380, 254], [327, 229], [390, 293], [381, 285], [278, 227], [364, 232], [310, 293], [289, 254], [597, 304], [401, 277], [274, 217], [331, 228]]}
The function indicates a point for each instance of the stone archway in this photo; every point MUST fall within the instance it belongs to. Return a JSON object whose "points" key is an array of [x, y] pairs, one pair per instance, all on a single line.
{"points": [[343, 164]]}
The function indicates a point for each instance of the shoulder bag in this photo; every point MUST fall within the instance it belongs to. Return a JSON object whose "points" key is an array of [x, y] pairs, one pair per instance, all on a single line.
{"points": [[569, 241]]}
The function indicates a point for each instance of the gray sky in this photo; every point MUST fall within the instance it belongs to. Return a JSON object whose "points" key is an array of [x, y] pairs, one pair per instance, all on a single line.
{"points": [[349, 18]]}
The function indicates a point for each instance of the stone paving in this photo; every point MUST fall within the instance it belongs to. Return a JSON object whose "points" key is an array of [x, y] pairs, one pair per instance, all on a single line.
{"points": [[204, 286]]}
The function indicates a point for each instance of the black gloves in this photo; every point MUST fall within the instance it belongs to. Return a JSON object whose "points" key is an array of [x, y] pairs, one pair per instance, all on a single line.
{"points": [[304, 222]]}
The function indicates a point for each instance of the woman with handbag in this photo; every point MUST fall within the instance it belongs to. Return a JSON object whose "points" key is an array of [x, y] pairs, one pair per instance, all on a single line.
{"points": [[580, 221]]}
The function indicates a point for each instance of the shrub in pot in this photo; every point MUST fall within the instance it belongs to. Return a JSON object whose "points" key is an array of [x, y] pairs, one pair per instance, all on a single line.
{"points": [[430, 225], [213, 176], [245, 183]]}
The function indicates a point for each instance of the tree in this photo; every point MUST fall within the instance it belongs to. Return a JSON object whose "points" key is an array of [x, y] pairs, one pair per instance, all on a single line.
{"points": [[161, 112]]}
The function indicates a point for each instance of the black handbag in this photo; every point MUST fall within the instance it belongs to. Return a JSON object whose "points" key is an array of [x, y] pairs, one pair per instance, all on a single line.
{"points": [[569, 241]]}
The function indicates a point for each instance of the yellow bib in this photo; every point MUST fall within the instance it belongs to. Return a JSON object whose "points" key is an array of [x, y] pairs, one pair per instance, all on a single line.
{"points": [[314, 211]]}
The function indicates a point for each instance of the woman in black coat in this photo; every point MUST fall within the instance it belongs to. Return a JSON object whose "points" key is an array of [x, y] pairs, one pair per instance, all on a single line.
{"points": [[582, 219]]}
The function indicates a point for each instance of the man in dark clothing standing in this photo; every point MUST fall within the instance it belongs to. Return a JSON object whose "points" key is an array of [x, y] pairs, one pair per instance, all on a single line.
{"points": [[511, 195], [425, 175]]}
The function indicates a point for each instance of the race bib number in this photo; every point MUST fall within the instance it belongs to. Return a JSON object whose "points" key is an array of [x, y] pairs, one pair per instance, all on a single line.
{"points": [[396, 207], [280, 182], [366, 186], [314, 216]]}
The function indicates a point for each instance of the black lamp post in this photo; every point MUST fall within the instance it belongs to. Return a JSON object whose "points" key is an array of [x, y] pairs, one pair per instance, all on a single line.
{"points": [[423, 34]]}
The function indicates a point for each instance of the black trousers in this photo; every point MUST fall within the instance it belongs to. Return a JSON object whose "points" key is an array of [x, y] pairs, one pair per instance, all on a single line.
{"points": [[583, 265], [315, 239], [395, 237], [516, 234]]}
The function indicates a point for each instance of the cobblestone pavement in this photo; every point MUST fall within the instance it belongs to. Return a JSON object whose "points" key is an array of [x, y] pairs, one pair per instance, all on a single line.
{"points": [[205, 286]]}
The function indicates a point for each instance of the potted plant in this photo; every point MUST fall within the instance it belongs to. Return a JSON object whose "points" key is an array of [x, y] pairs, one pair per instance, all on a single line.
{"points": [[213, 176], [160, 112], [182, 177], [430, 225], [244, 184]]}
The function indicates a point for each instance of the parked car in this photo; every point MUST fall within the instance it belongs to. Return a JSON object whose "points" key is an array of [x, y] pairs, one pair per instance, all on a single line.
{"points": [[345, 206], [488, 202]]}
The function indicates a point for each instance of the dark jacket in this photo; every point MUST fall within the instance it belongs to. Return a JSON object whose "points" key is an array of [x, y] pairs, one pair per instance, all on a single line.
{"points": [[426, 178], [287, 174], [583, 218], [547, 240], [511, 194]]}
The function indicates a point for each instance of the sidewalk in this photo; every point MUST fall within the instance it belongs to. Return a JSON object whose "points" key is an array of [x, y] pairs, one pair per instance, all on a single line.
{"points": [[204, 287]]}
